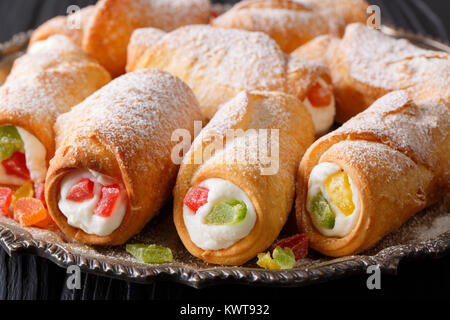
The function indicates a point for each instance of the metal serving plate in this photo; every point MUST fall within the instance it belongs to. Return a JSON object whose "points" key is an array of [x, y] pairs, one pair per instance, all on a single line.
{"points": [[426, 235]]}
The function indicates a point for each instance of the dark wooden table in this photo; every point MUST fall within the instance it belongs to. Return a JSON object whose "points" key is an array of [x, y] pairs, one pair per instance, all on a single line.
{"points": [[29, 277]]}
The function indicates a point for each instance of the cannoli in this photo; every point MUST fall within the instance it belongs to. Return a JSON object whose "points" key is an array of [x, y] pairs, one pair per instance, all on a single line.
{"points": [[364, 180], [47, 81], [106, 28], [112, 170], [293, 23], [367, 64], [219, 63], [73, 29], [231, 198]]}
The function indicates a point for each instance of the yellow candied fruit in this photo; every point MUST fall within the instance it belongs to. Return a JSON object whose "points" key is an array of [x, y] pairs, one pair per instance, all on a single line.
{"points": [[25, 191], [265, 261], [340, 192]]}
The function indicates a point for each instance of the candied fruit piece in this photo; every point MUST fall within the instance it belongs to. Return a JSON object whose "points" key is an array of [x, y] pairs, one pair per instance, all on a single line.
{"points": [[298, 243], [340, 192], [322, 213], [16, 165], [10, 141], [150, 253], [39, 192], [214, 13], [285, 257], [5, 201], [30, 212], [196, 197], [227, 212], [108, 200], [265, 261], [320, 96], [81, 191], [25, 191]]}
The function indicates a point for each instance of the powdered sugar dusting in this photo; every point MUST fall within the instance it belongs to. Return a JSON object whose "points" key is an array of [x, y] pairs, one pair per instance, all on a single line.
{"points": [[55, 75], [132, 110], [383, 62], [169, 15], [219, 63], [419, 130], [231, 58]]}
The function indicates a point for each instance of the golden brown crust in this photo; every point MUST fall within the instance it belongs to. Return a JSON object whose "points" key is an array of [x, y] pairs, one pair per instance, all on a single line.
{"points": [[141, 40], [60, 25], [106, 28], [110, 28], [271, 195], [290, 23], [366, 64], [219, 63], [397, 155], [317, 48], [124, 131], [45, 83]]}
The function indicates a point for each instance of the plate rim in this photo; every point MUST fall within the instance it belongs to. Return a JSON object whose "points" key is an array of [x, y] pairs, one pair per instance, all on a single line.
{"points": [[17, 240]]}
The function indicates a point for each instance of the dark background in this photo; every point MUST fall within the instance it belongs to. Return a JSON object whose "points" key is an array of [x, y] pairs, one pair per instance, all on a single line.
{"points": [[29, 277], [423, 16]]}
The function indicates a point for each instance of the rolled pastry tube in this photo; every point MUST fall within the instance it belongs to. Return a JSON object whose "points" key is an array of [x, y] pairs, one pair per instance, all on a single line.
{"points": [[366, 179], [219, 63], [232, 198], [113, 170], [72, 27], [293, 23], [367, 64], [48, 80], [106, 28]]}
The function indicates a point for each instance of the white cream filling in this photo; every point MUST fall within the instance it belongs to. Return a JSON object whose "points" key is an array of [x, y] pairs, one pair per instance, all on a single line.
{"points": [[323, 117], [81, 214], [215, 237], [343, 224], [35, 154]]}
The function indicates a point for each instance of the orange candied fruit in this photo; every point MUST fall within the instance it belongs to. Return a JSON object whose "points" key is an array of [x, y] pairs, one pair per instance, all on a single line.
{"points": [[31, 212], [320, 96]]}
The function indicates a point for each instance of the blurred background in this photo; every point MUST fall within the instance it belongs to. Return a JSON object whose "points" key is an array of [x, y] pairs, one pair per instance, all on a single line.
{"points": [[30, 277], [431, 17]]}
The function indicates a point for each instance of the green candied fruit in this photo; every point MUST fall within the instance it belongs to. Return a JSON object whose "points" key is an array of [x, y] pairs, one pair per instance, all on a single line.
{"points": [[285, 257], [322, 212], [10, 141], [150, 253], [227, 212]]}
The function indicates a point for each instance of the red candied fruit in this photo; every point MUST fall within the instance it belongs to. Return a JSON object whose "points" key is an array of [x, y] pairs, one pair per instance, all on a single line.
{"points": [[108, 200], [81, 191], [5, 201], [320, 96], [196, 197], [16, 165], [298, 243]]}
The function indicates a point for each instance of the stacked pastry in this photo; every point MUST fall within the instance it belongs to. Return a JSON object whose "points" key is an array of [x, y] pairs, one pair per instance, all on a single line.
{"points": [[367, 64], [233, 203], [113, 170], [52, 77], [104, 30], [364, 180], [293, 23], [114, 167], [218, 64]]}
